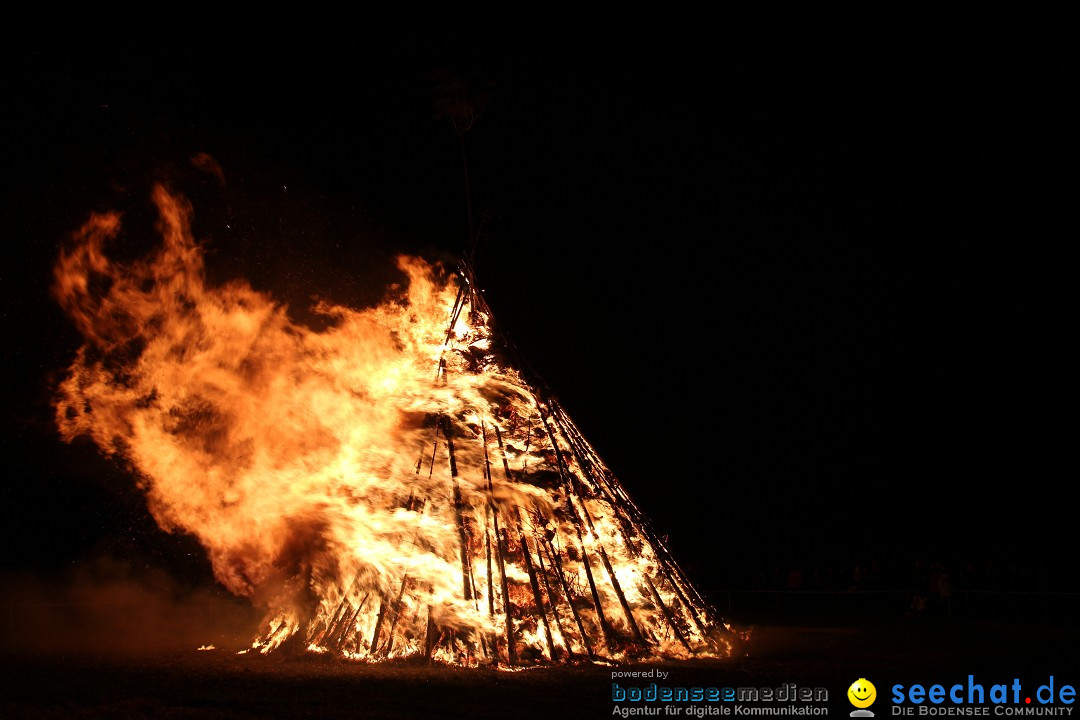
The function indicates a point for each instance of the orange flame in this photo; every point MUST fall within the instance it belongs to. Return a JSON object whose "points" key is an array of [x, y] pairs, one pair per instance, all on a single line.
{"points": [[389, 486]]}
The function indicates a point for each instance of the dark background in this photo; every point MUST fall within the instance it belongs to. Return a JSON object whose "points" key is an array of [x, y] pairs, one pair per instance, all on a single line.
{"points": [[806, 303]]}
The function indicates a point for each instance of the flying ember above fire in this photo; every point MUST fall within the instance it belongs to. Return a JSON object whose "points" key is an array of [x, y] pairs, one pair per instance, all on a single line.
{"points": [[391, 486]]}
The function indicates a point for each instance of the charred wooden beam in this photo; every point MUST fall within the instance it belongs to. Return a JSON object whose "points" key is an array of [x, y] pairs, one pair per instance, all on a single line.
{"points": [[528, 444], [459, 303], [487, 458], [556, 562], [350, 626], [667, 615], [395, 613], [628, 514], [500, 548], [489, 510], [468, 582], [502, 452], [570, 487], [484, 645], [331, 628], [551, 597], [487, 552], [459, 518], [619, 592], [378, 625], [537, 596], [605, 626], [448, 435], [563, 469], [334, 639], [600, 480], [328, 631], [527, 555], [431, 638], [690, 607], [511, 648]]}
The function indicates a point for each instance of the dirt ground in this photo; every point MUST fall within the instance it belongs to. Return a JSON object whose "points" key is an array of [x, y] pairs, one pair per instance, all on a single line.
{"points": [[184, 683]]}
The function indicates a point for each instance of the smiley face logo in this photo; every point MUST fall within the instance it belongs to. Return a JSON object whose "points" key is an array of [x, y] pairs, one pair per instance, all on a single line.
{"points": [[862, 693]]}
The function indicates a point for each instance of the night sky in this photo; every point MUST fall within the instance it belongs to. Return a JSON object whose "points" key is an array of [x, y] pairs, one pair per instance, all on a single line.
{"points": [[799, 301]]}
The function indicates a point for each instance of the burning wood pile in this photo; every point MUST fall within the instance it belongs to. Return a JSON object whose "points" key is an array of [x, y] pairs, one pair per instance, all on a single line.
{"points": [[389, 487]]}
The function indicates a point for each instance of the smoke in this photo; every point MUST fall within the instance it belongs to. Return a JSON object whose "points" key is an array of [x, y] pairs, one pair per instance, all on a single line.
{"points": [[206, 162], [105, 606]]}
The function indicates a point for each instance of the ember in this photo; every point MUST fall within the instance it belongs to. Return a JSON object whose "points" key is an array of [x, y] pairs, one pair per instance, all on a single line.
{"points": [[392, 486]]}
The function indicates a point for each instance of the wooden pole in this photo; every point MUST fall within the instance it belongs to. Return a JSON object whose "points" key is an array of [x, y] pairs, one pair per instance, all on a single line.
{"points": [[619, 592], [567, 477], [331, 629], [598, 606], [667, 615], [552, 602], [511, 648], [630, 516], [351, 625], [556, 563], [605, 627], [378, 625], [463, 542], [341, 604], [537, 597], [489, 511], [395, 613], [430, 638], [487, 551]]}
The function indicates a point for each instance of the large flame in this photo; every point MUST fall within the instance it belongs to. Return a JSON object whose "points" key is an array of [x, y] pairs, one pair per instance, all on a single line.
{"points": [[390, 486]]}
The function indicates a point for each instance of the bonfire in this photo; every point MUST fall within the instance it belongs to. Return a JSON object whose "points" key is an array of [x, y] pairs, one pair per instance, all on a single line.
{"points": [[396, 485]]}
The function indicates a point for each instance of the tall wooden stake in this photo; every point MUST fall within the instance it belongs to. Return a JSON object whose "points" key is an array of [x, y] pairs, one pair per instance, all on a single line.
{"points": [[552, 602], [537, 597], [556, 563], [511, 649], [463, 541]]}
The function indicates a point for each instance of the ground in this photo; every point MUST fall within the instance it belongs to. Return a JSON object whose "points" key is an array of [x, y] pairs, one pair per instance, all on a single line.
{"points": [[184, 683]]}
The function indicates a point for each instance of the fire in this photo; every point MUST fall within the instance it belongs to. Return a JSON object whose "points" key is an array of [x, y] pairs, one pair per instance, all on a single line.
{"points": [[391, 486]]}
